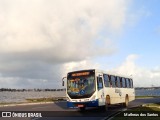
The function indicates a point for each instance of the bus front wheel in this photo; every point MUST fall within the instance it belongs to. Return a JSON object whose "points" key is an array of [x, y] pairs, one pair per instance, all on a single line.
{"points": [[82, 109], [107, 102]]}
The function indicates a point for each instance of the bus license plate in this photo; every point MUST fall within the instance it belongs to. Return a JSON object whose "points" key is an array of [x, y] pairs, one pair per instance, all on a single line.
{"points": [[80, 105]]}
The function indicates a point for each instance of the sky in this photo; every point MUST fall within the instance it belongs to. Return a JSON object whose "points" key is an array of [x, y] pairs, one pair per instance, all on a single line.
{"points": [[42, 40]]}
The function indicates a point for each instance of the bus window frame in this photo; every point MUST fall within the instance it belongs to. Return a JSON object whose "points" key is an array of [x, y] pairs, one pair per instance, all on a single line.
{"points": [[116, 85], [98, 79], [118, 82], [123, 82], [113, 81], [110, 82], [106, 81], [127, 83]]}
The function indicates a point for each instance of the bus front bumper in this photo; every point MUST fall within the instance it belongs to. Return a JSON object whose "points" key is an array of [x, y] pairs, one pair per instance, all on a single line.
{"points": [[83, 104]]}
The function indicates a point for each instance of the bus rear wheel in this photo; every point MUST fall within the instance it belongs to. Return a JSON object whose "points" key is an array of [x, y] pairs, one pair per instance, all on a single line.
{"points": [[125, 104]]}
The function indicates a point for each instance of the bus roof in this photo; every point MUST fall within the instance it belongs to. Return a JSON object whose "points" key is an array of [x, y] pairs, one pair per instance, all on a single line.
{"points": [[104, 72]]}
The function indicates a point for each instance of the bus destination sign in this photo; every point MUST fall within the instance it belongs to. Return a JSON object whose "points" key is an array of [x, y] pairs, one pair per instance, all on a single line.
{"points": [[80, 74]]}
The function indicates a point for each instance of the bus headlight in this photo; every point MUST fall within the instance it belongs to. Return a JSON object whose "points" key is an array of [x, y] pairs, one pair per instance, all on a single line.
{"points": [[67, 99], [93, 98]]}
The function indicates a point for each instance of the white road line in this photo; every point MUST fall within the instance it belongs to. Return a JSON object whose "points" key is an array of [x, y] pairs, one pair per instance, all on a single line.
{"points": [[35, 118], [40, 107], [113, 115]]}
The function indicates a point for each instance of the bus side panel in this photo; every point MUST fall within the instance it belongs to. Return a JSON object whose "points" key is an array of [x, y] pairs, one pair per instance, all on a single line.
{"points": [[117, 95], [132, 95]]}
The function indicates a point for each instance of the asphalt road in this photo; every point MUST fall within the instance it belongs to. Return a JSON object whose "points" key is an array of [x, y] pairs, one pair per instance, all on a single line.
{"points": [[59, 111]]}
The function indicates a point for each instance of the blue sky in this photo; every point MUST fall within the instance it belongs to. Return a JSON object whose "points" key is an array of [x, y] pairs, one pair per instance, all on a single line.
{"points": [[42, 40], [143, 37]]}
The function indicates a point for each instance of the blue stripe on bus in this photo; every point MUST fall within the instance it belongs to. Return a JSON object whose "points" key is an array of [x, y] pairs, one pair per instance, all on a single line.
{"points": [[87, 104]]}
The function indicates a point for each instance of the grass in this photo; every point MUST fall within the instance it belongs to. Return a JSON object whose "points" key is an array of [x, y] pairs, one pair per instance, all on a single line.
{"points": [[40, 100], [35, 100], [4, 103], [45, 99], [152, 105], [147, 97], [145, 109]]}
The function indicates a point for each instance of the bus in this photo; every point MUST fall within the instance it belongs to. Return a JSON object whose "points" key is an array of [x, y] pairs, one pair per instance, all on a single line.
{"points": [[96, 88]]}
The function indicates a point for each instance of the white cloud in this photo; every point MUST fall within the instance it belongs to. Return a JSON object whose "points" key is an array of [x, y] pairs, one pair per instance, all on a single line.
{"points": [[85, 64], [57, 25], [142, 76], [38, 36]]}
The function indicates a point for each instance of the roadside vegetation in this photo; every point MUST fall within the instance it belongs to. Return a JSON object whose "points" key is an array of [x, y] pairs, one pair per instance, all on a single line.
{"points": [[138, 97], [45, 99], [147, 109], [35, 100]]}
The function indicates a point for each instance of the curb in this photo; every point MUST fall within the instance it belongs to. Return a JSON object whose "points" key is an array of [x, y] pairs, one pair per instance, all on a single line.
{"points": [[114, 114], [21, 104], [118, 112]]}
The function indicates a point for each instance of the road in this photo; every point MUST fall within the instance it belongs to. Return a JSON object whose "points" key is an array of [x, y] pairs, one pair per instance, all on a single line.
{"points": [[59, 111]]}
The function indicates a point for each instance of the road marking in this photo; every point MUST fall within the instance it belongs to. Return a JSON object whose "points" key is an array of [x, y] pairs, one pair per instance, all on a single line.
{"points": [[24, 104], [113, 115], [40, 107], [35, 118]]}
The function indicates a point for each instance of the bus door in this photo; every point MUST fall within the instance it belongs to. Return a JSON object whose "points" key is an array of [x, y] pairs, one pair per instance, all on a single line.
{"points": [[100, 89]]}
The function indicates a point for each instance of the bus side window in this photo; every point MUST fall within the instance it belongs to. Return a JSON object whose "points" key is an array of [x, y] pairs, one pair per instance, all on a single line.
{"points": [[123, 82], [106, 80], [131, 83], [118, 82], [113, 81], [110, 82], [99, 83], [127, 82], [121, 85]]}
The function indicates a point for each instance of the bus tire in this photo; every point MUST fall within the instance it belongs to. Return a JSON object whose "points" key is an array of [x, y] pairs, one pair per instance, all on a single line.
{"points": [[82, 109], [107, 102], [106, 107], [126, 101]]}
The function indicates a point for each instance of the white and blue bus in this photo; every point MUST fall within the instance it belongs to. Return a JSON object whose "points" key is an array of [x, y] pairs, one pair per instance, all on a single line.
{"points": [[93, 88]]}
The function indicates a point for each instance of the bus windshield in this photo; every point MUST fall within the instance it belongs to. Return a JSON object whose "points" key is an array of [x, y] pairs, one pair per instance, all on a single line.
{"points": [[81, 84]]}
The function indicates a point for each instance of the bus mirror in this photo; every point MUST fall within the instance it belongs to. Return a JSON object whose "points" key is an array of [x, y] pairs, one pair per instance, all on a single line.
{"points": [[62, 83], [63, 80]]}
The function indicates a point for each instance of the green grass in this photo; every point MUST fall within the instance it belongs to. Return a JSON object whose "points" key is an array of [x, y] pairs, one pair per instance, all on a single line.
{"points": [[148, 108], [45, 99], [35, 100], [147, 97], [145, 109], [152, 105], [11, 103], [40, 100]]}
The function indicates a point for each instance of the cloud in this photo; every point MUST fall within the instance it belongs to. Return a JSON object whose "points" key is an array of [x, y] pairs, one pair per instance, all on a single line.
{"points": [[85, 64], [57, 26], [143, 77], [39, 37]]}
